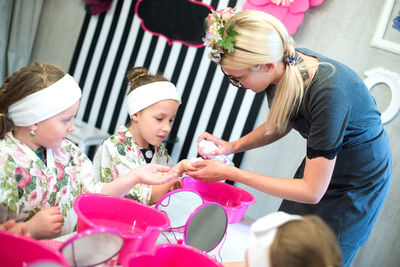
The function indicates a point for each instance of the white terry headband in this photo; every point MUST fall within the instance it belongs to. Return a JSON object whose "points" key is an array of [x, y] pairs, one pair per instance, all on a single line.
{"points": [[263, 234], [45, 103], [149, 94]]}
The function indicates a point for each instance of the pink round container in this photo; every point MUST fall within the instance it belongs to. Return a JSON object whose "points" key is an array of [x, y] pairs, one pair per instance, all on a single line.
{"points": [[16, 250], [171, 255], [234, 199], [140, 225]]}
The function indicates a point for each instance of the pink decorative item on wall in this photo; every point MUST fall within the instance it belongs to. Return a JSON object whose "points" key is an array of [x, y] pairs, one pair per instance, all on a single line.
{"points": [[290, 12]]}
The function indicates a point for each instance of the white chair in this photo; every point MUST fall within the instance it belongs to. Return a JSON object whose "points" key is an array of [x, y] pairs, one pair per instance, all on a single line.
{"points": [[86, 135]]}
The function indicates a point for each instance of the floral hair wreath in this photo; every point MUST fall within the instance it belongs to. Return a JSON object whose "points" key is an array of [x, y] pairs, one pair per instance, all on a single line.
{"points": [[219, 37]]}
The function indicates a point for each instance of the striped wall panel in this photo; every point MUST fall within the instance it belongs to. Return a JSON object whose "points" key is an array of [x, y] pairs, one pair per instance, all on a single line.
{"points": [[113, 42]]}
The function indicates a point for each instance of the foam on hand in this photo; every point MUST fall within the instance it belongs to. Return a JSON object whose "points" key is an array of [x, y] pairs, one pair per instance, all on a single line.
{"points": [[208, 146]]}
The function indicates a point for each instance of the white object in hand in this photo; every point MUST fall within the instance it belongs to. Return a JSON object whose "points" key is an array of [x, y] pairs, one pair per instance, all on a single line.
{"points": [[207, 147]]}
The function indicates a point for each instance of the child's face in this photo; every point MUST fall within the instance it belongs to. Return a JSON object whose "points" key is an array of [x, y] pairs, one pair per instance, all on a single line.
{"points": [[154, 122], [51, 132]]}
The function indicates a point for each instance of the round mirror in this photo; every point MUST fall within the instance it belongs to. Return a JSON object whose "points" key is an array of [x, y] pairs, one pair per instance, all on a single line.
{"points": [[206, 227], [392, 81], [179, 205], [92, 247]]}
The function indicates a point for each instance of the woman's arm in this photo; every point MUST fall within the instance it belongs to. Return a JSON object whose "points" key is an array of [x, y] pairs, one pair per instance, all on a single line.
{"points": [[310, 189], [254, 139]]}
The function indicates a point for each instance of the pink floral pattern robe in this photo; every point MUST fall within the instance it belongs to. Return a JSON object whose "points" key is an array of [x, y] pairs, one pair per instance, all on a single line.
{"points": [[27, 185], [119, 154]]}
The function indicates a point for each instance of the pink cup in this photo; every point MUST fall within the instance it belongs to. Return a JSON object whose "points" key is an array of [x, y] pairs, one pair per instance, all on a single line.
{"points": [[140, 225], [234, 199], [171, 255], [17, 250]]}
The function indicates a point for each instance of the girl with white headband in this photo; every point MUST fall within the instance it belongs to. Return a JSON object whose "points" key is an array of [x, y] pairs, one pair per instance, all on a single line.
{"points": [[152, 105], [41, 172], [280, 239]]}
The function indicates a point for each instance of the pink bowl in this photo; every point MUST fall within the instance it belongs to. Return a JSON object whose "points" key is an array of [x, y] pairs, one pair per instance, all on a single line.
{"points": [[234, 199], [171, 255], [140, 225], [16, 250]]}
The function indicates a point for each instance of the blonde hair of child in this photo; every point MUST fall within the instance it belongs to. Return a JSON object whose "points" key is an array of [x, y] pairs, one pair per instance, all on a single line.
{"points": [[26, 81], [263, 39], [140, 76], [308, 242]]}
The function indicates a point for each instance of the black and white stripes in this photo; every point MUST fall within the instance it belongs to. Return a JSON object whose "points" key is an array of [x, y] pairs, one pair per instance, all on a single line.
{"points": [[111, 43]]}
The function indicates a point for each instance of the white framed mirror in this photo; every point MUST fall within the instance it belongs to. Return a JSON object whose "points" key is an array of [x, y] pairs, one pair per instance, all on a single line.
{"points": [[375, 77]]}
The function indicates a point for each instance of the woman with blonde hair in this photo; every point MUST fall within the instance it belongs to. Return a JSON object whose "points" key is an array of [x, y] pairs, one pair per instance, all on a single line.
{"points": [[345, 175]]}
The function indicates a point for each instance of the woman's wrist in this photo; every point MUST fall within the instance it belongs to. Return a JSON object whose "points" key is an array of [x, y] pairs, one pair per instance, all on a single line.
{"points": [[235, 146]]}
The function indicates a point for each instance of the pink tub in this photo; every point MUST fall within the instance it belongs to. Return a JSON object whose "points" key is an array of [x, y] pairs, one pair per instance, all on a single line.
{"points": [[140, 225], [171, 255], [16, 250], [234, 199]]}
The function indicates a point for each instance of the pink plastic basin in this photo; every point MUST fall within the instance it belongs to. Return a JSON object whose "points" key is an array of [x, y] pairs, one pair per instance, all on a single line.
{"points": [[16, 250], [234, 199], [140, 225], [171, 255]]}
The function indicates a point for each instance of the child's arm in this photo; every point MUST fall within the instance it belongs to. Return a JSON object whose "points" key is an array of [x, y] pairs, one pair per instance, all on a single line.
{"points": [[157, 191], [45, 223], [151, 174]]}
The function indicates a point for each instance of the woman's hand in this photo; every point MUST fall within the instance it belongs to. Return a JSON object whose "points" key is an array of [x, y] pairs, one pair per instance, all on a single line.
{"points": [[224, 147], [154, 174], [45, 223], [210, 171]]}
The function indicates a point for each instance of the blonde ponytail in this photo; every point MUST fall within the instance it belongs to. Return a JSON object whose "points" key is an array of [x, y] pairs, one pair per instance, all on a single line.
{"points": [[289, 93]]}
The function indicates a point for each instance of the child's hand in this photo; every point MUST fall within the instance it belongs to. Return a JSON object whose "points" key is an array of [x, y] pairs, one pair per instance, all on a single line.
{"points": [[7, 225], [153, 174], [13, 227], [184, 165], [45, 223]]}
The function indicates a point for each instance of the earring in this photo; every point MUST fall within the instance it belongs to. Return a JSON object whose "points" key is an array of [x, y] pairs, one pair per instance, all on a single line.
{"points": [[32, 133]]}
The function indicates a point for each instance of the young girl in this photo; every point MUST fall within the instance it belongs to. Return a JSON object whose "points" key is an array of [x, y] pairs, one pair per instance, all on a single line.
{"points": [[152, 105], [41, 172], [283, 240]]}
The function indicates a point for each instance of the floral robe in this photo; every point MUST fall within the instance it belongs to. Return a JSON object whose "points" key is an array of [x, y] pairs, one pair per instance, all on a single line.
{"points": [[27, 185], [119, 154]]}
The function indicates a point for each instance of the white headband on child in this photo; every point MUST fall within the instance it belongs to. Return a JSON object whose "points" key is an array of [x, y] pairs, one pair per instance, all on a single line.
{"points": [[263, 234], [45, 103], [149, 94]]}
